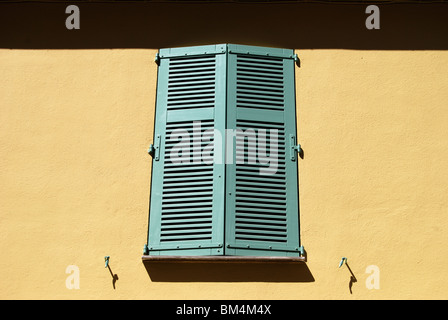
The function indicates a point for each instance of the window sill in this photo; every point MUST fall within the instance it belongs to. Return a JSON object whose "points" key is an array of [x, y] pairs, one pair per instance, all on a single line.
{"points": [[220, 259]]}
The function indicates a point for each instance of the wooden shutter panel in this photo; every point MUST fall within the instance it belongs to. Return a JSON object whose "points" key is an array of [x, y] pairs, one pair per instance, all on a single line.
{"points": [[262, 212], [187, 194]]}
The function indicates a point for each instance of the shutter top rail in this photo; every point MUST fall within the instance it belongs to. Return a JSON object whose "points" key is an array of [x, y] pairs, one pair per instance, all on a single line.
{"points": [[223, 48], [223, 259], [261, 51], [192, 51]]}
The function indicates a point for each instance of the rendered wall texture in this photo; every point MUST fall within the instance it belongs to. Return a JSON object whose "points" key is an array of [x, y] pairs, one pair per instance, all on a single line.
{"points": [[74, 178]]}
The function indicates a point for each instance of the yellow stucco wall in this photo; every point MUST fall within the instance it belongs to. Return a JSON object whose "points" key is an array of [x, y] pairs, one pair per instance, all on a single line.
{"points": [[75, 175], [74, 178]]}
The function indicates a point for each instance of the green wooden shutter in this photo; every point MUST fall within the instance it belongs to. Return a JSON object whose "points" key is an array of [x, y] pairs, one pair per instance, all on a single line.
{"points": [[248, 204], [262, 212], [187, 193]]}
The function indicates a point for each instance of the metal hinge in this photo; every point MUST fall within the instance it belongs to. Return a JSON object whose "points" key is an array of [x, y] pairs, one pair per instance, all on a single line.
{"points": [[294, 147], [297, 60], [145, 250], [157, 59]]}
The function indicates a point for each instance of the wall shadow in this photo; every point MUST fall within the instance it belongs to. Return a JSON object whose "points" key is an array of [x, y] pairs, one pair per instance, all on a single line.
{"points": [[170, 24], [114, 276], [228, 272], [352, 278]]}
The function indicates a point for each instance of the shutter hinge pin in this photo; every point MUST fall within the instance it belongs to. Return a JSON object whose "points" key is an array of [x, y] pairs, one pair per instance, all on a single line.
{"points": [[157, 59], [294, 147], [145, 249], [297, 60]]}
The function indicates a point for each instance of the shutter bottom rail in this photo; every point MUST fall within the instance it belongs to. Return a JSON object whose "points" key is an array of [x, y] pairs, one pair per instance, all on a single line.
{"points": [[220, 259]]}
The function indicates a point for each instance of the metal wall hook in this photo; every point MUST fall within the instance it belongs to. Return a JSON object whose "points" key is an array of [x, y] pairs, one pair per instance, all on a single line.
{"points": [[344, 259], [106, 260]]}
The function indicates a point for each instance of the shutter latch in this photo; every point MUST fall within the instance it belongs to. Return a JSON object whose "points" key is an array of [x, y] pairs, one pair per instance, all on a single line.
{"points": [[294, 148]]}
